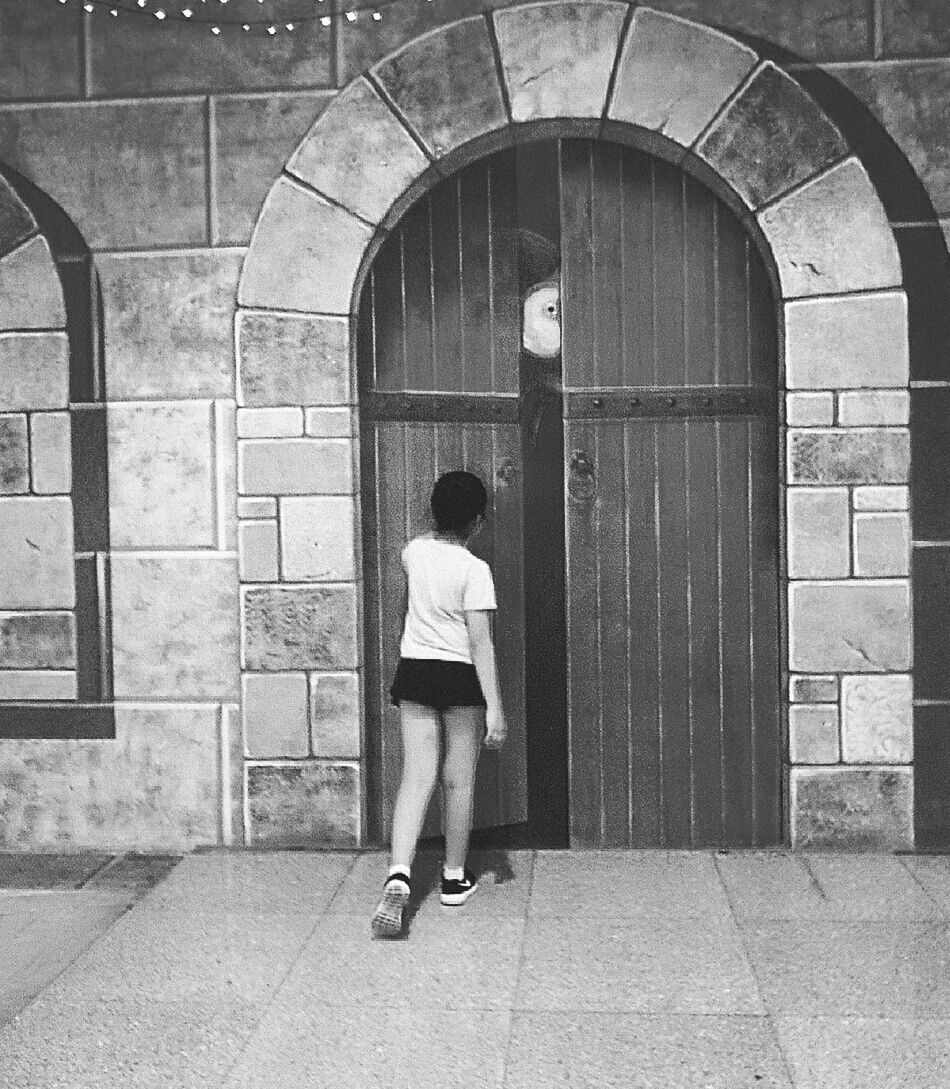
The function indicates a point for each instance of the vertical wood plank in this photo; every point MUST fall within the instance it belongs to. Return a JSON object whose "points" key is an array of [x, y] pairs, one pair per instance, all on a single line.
{"points": [[732, 302], [417, 295], [700, 274], [474, 222], [637, 269], [505, 298], [577, 284], [447, 287], [669, 297], [389, 346], [608, 219]]}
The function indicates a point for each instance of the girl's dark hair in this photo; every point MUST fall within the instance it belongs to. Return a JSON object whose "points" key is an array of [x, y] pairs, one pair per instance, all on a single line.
{"points": [[457, 499]]}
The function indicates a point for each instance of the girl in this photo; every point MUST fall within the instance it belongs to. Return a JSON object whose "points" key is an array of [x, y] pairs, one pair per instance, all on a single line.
{"points": [[446, 686]]}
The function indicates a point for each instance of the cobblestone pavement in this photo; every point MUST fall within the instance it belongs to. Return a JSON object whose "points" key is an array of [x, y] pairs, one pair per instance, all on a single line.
{"points": [[567, 969]]}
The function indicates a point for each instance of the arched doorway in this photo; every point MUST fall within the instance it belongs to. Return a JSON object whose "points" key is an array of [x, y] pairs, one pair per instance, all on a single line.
{"points": [[632, 458]]}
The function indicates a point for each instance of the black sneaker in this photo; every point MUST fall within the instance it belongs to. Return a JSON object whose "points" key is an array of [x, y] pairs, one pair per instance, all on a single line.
{"points": [[387, 919], [456, 891]]}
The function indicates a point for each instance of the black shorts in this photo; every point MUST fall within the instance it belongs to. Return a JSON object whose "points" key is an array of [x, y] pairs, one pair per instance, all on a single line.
{"points": [[436, 683]]}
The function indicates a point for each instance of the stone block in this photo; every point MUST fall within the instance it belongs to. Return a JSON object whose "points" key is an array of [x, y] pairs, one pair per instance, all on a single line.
{"points": [[818, 531], [31, 296], [673, 76], [557, 57], [295, 466], [168, 324], [37, 640], [257, 506], [329, 422], [863, 408], [40, 51], [915, 30], [252, 137], [290, 359], [886, 497], [269, 423], [857, 341], [881, 544], [16, 220], [72, 153], [51, 453], [225, 470], [335, 715], [813, 734], [810, 409], [14, 454], [832, 236], [37, 684], [813, 688], [770, 138], [175, 626], [364, 175], [257, 552], [858, 456], [36, 546], [447, 103], [317, 539], [275, 714], [34, 370], [304, 254], [300, 627], [154, 787], [161, 475], [310, 804], [855, 626], [877, 723], [866, 809]]}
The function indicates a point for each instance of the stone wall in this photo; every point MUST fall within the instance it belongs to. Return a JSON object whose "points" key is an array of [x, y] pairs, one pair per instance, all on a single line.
{"points": [[161, 146]]}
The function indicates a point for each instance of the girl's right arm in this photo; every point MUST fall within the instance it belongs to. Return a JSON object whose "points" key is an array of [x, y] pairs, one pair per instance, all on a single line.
{"points": [[478, 622]]}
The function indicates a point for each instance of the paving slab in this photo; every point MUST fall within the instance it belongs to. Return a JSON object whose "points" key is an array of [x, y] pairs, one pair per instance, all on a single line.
{"points": [[871, 887], [771, 885], [933, 873], [49, 871]]}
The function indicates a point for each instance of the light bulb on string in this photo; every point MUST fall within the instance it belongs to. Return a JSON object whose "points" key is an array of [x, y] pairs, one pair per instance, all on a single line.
{"points": [[377, 15], [216, 30], [159, 14], [325, 20], [290, 26], [272, 30], [187, 13], [351, 16], [89, 8]]}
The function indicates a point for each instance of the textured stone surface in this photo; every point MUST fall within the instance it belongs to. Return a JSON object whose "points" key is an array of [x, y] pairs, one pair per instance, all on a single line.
{"points": [[770, 138], [448, 103], [849, 342], [300, 627], [257, 552], [818, 530], [181, 645], [557, 57], [673, 76], [304, 805], [329, 422], [225, 465], [36, 546], [253, 136], [30, 293], [37, 684], [168, 324], [832, 236], [39, 51], [814, 688], [809, 409], [887, 497], [275, 714], [50, 453], [877, 724], [304, 254], [14, 454], [921, 27], [881, 544], [858, 808], [37, 640], [256, 506], [854, 627], [16, 220], [335, 715], [151, 788], [295, 466], [364, 175], [864, 407], [813, 733], [72, 153], [317, 538], [288, 359], [161, 475], [34, 370], [859, 456], [256, 423]]}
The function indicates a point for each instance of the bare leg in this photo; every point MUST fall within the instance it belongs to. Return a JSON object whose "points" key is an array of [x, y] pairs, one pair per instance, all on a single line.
{"points": [[464, 731], [421, 744]]}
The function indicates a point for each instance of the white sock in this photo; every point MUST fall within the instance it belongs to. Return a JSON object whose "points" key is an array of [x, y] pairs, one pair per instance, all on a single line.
{"points": [[453, 874]]}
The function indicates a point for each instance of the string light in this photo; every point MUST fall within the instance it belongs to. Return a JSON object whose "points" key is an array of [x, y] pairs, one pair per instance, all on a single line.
{"points": [[170, 12]]}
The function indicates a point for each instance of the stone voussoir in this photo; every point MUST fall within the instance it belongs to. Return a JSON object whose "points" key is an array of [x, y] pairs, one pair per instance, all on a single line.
{"points": [[16, 220], [31, 295]]}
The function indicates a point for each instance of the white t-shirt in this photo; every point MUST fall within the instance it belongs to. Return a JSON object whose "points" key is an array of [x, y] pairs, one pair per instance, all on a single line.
{"points": [[445, 580]]}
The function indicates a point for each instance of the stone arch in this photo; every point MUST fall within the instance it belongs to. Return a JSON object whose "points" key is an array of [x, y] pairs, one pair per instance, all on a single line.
{"points": [[711, 104]]}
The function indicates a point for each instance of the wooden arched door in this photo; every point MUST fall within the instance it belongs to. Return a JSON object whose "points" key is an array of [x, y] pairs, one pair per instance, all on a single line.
{"points": [[633, 530]]}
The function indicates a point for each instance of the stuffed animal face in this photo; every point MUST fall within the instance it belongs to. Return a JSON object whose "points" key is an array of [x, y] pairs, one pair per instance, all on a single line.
{"points": [[541, 326]]}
